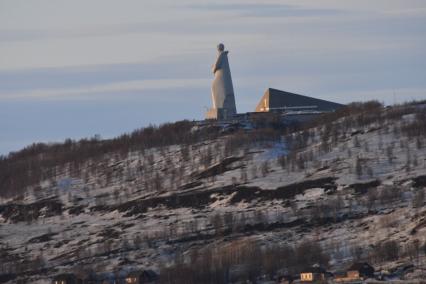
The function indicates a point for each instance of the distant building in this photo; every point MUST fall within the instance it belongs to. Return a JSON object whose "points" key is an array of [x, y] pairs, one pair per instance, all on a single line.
{"points": [[356, 273], [315, 274], [361, 269], [139, 277], [280, 101], [66, 278], [286, 279]]}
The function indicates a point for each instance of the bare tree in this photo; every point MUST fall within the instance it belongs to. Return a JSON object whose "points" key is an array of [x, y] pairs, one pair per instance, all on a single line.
{"points": [[358, 167], [419, 198], [243, 175], [265, 168]]}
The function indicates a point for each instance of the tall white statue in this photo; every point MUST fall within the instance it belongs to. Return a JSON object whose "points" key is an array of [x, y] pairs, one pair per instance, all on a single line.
{"points": [[222, 89]]}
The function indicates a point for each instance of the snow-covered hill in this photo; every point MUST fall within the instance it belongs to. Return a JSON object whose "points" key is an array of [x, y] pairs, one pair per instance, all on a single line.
{"points": [[349, 186]]}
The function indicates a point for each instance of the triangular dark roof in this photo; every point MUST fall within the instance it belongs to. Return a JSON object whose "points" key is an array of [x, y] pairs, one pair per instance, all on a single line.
{"points": [[364, 269], [146, 274], [67, 276], [314, 269], [277, 99], [150, 274], [360, 265]]}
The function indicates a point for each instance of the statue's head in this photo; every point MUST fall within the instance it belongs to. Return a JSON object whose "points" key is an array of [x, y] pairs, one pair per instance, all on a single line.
{"points": [[220, 47]]}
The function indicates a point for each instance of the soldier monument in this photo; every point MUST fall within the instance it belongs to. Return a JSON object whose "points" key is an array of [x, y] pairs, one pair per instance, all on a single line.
{"points": [[222, 88]]}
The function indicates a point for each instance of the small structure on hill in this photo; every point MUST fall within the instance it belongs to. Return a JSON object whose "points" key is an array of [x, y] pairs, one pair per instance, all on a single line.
{"points": [[280, 101], [7, 277], [107, 278], [361, 269], [356, 273], [315, 273], [66, 278], [139, 277], [285, 279]]}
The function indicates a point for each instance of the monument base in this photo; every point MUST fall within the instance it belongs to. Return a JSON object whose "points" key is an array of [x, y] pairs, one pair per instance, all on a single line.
{"points": [[218, 114]]}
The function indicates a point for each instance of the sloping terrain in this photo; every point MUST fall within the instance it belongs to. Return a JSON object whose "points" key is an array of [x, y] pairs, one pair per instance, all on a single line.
{"points": [[239, 202]]}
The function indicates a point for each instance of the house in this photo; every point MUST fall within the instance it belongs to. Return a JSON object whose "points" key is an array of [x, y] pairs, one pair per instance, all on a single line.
{"points": [[315, 274], [292, 108], [139, 277], [66, 278], [7, 277], [285, 279], [275, 100], [344, 277], [91, 278], [361, 270], [107, 278], [356, 273]]}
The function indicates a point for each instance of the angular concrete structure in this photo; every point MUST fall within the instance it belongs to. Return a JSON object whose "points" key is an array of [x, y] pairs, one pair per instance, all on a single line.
{"points": [[278, 101], [222, 89]]}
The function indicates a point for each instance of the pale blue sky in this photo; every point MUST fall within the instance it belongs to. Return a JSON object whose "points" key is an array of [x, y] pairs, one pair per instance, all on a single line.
{"points": [[79, 68]]}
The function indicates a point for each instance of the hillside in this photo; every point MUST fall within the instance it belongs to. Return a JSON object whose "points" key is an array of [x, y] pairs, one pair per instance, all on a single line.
{"points": [[218, 203]]}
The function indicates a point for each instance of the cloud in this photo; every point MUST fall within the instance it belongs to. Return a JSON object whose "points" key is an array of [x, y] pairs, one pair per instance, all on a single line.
{"points": [[108, 91], [99, 74], [30, 34], [269, 10], [404, 13]]}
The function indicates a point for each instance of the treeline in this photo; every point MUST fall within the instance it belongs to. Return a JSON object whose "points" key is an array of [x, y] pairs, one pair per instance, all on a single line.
{"points": [[333, 129], [242, 261], [38, 161], [360, 114], [41, 161], [363, 112], [249, 261], [242, 140], [417, 127]]}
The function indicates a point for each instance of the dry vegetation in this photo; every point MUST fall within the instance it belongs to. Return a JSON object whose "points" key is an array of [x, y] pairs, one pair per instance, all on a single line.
{"points": [[203, 153]]}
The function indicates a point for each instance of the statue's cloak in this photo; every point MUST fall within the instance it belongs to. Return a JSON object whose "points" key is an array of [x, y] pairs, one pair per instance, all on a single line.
{"points": [[222, 88]]}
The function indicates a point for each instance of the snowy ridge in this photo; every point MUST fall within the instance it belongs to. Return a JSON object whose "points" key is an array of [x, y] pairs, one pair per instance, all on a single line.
{"points": [[349, 185]]}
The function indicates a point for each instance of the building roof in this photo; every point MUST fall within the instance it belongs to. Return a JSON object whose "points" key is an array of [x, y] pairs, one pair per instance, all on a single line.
{"points": [[274, 99], [67, 276], [314, 269], [360, 266], [148, 274]]}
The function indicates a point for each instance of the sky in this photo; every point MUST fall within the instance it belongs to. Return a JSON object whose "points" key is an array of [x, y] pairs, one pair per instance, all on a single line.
{"points": [[74, 69]]}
